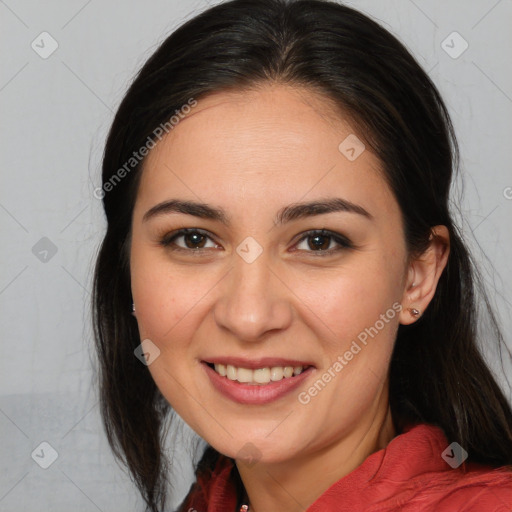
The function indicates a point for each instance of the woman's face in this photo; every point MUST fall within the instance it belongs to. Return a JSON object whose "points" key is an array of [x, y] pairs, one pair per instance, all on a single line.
{"points": [[253, 288]]}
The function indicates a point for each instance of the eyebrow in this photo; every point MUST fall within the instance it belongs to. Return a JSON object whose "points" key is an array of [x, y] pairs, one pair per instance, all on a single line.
{"points": [[288, 213]]}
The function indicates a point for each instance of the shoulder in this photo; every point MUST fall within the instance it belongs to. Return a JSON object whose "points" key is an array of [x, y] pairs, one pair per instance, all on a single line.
{"points": [[480, 489], [428, 482]]}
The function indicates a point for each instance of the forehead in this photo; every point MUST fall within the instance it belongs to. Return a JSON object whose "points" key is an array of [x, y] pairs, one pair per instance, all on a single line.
{"points": [[277, 143], [255, 116]]}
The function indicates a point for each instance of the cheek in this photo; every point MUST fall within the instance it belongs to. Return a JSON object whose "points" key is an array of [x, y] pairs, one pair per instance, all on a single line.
{"points": [[350, 298], [169, 302], [167, 297], [356, 317], [354, 311]]}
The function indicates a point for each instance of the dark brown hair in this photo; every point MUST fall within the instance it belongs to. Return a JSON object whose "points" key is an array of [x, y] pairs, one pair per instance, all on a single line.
{"points": [[437, 373]]}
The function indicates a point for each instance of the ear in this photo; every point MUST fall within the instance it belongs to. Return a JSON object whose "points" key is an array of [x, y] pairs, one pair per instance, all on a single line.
{"points": [[423, 275]]}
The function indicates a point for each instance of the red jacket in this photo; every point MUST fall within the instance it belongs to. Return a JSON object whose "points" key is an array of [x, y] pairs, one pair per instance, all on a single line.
{"points": [[409, 475]]}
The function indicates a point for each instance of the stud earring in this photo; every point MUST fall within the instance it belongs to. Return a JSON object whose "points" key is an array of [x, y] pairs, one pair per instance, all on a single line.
{"points": [[133, 308], [413, 311]]}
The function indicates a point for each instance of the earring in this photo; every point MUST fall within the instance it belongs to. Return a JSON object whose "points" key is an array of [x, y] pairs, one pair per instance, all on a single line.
{"points": [[413, 311], [133, 308]]}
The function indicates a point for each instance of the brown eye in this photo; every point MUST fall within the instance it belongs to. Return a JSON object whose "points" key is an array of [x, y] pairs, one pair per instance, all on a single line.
{"points": [[192, 239], [322, 241]]}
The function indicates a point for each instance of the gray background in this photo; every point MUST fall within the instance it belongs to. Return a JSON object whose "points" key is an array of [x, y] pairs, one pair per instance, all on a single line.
{"points": [[55, 113]]}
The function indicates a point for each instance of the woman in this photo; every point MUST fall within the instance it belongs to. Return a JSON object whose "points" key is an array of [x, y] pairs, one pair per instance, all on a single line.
{"points": [[281, 269]]}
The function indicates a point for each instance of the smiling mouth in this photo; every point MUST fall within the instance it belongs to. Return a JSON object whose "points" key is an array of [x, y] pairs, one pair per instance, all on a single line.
{"points": [[257, 376]]}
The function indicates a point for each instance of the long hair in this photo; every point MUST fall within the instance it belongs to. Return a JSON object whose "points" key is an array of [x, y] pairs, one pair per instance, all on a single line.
{"points": [[437, 374]]}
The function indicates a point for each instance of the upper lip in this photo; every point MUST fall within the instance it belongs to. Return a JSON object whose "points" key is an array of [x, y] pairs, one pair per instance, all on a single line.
{"points": [[262, 362]]}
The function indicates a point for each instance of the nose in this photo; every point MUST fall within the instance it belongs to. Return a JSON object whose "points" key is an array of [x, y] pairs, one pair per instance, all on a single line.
{"points": [[253, 300]]}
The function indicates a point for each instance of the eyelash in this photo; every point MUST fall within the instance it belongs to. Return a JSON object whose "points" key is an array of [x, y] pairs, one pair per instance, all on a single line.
{"points": [[343, 242]]}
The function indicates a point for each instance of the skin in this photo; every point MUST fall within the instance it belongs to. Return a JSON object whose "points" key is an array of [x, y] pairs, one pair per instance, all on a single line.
{"points": [[251, 154]]}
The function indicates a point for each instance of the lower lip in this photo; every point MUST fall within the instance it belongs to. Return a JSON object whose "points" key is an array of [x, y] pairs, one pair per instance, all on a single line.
{"points": [[256, 394]]}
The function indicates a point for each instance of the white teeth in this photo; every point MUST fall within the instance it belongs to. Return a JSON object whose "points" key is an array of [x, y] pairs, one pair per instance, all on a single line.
{"points": [[231, 372], [276, 373], [288, 371], [244, 375], [261, 375], [258, 376]]}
